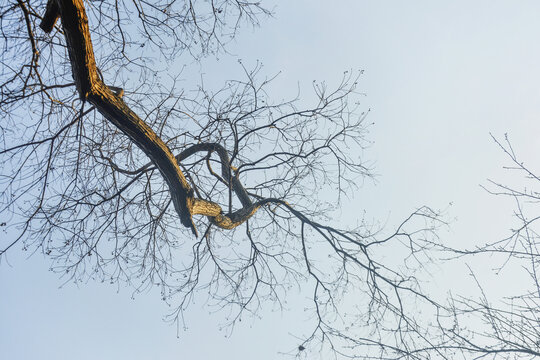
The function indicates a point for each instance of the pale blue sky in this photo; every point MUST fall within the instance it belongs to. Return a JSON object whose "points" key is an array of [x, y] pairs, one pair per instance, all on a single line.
{"points": [[439, 77]]}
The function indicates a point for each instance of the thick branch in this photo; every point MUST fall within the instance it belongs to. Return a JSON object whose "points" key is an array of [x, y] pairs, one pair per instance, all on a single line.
{"points": [[215, 213], [52, 13], [237, 186], [92, 89]]}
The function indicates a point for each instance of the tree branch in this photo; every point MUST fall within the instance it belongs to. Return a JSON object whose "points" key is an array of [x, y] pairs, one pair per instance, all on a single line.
{"points": [[91, 88]]}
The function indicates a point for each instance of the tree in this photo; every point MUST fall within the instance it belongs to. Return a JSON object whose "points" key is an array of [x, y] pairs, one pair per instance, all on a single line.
{"points": [[510, 327], [127, 178]]}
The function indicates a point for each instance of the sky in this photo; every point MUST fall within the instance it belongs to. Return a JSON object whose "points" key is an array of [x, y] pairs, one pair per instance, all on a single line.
{"points": [[439, 77]]}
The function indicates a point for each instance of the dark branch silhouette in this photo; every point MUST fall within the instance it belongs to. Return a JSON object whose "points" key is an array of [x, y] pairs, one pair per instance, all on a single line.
{"points": [[119, 175]]}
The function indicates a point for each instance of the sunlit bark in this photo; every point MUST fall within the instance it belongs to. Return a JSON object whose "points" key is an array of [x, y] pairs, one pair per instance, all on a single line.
{"points": [[92, 89]]}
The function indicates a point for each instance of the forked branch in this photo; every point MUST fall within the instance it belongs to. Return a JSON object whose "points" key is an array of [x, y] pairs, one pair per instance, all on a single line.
{"points": [[91, 88]]}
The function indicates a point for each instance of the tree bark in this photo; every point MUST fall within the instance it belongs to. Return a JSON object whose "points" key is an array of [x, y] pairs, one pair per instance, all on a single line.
{"points": [[91, 88]]}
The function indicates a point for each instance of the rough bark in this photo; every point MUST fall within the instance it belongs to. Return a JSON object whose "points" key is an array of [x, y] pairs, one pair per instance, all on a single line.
{"points": [[92, 89]]}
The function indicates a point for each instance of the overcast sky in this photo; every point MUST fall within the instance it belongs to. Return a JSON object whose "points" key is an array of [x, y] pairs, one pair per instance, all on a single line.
{"points": [[439, 77]]}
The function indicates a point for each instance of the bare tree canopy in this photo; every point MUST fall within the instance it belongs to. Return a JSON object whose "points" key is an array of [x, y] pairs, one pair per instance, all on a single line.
{"points": [[117, 174], [511, 325]]}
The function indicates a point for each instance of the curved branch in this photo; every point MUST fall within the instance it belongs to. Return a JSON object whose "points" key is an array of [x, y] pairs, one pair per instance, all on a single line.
{"points": [[229, 221], [91, 88], [226, 166]]}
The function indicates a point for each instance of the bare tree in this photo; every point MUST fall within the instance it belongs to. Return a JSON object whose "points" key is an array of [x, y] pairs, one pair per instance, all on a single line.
{"points": [[117, 174], [508, 327]]}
